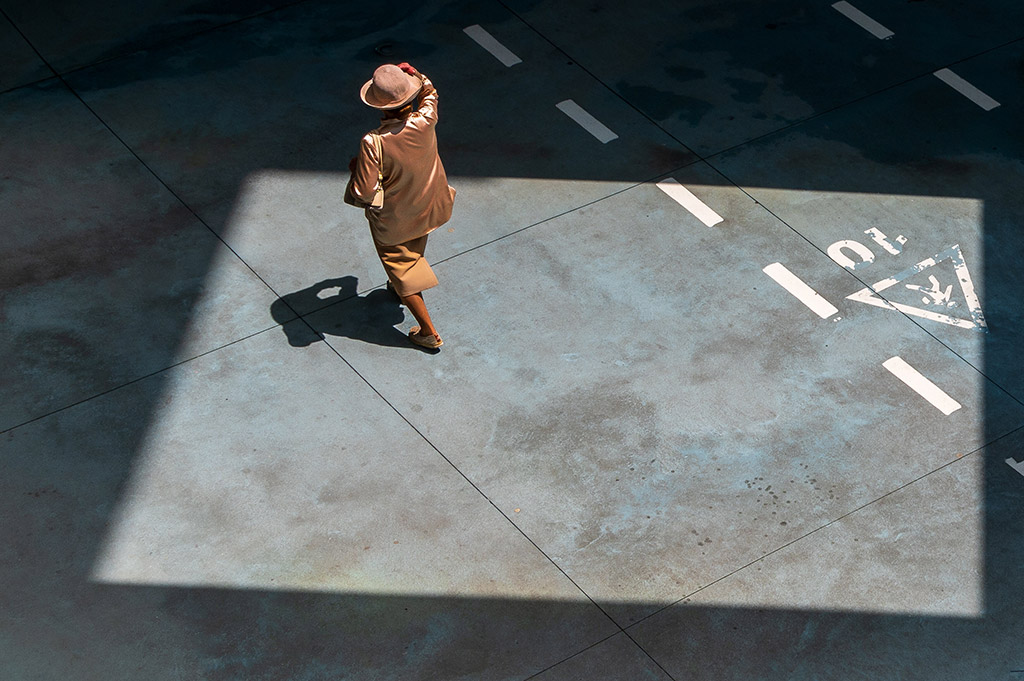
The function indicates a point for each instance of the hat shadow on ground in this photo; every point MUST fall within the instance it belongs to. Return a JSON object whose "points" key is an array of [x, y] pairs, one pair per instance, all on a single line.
{"points": [[341, 311]]}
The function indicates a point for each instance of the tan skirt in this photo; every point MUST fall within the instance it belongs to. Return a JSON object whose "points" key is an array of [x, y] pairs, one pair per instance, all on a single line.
{"points": [[407, 269]]}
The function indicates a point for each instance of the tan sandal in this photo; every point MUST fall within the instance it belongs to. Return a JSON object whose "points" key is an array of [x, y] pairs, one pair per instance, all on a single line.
{"points": [[431, 342]]}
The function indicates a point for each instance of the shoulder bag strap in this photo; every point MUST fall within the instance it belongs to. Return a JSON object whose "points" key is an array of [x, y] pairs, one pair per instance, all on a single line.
{"points": [[380, 160]]}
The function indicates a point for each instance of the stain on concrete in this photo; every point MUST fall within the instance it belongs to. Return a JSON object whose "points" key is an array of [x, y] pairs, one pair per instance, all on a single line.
{"points": [[747, 91], [664, 104], [602, 426], [685, 73]]}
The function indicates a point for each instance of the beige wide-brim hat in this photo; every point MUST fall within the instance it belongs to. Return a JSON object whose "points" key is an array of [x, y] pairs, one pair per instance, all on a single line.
{"points": [[390, 88]]}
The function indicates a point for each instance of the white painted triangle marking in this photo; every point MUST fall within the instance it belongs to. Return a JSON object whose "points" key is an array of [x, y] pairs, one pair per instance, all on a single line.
{"points": [[1016, 465], [870, 295]]}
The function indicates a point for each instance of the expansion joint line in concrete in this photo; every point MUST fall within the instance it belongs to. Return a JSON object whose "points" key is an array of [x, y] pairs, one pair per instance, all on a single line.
{"points": [[133, 381], [923, 75], [510, 234], [758, 137], [597, 643], [32, 46], [465, 477], [594, 76], [141, 161], [576, 654], [555, 217], [777, 549], [866, 284], [927, 74], [146, 48], [785, 128], [500, 238], [171, 191]]}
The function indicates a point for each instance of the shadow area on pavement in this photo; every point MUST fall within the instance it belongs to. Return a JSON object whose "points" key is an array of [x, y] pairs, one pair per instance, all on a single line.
{"points": [[370, 318], [170, 632]]}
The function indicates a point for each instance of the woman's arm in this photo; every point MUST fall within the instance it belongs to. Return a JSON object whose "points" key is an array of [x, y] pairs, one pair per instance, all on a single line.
{"points": [[428, 105], [364, 169], [428, 95]]}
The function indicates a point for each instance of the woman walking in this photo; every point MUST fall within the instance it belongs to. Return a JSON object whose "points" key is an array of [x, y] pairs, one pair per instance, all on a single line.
{"points": [[400, 159]]}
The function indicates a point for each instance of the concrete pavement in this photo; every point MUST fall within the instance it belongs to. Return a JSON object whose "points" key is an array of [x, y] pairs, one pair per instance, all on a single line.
{"points": [[667, 436]]}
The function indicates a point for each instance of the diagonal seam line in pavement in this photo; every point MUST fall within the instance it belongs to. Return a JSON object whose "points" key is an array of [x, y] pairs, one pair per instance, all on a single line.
{"points": [[910, 318], [156, 372], [604, 84], [920, 76], [977, 451], [464, 476], [514, 232], [166, 186], [34, 49], [159, 44], [564, 213], [576, 654], [594, 645], [758, 137], [177, 198], [173, 193], [135, 154]]}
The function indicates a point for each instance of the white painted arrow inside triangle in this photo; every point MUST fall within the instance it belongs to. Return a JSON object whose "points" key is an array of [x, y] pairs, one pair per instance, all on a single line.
{"points": [[955, 255]]}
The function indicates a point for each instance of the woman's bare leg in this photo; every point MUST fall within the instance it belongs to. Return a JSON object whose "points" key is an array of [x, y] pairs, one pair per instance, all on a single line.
{"points": [[418, 308]]}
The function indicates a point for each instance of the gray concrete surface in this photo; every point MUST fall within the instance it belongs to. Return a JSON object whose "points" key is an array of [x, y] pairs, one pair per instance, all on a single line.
{"points": [[637, 456], [18, 63]]}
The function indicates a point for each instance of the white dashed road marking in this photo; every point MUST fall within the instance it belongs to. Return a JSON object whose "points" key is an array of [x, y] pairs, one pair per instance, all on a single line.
{"points": [[804, 293], [685, 198], [966, 89], [899, 368], [588, 122], [863, 20], [491, 44]]}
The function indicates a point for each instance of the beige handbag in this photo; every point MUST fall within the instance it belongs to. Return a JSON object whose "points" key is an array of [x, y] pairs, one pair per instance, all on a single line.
{"points": [[378, 191]]}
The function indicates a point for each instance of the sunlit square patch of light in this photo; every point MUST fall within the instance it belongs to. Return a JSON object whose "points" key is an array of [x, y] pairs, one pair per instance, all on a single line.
{"points": [[259, 473]]}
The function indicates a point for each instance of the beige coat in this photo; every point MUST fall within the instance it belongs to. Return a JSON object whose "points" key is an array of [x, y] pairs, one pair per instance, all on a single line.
{"points": [[417, 198]]}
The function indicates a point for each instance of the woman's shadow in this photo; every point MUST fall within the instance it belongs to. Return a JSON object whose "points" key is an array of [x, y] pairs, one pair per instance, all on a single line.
{"points": [[333, 307]]}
